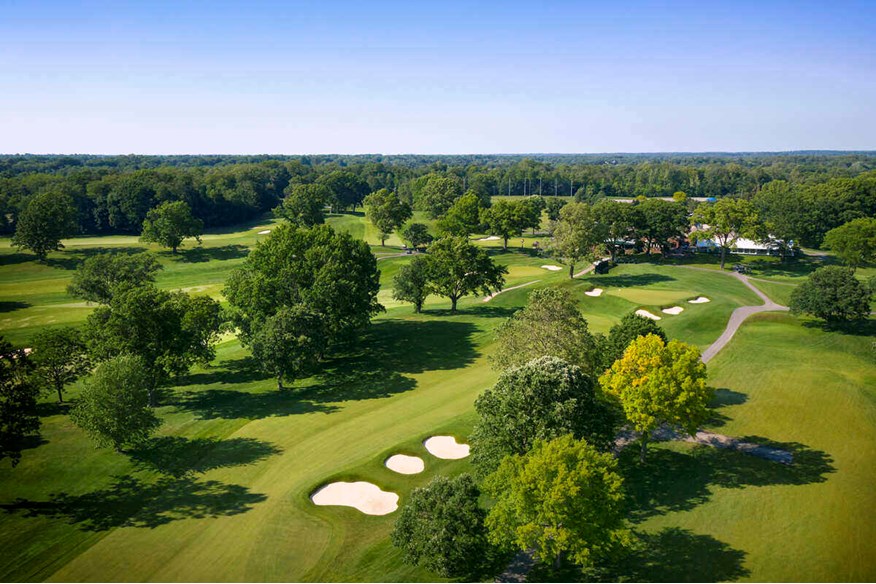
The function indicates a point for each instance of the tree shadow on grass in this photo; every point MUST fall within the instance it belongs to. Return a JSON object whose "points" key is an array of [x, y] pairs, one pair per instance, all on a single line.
{"points": [[206, 254], [724, 397], [53, 408], [178, 456], [10, 259], [678, 481], [630, 280], [73, 258], [130, 502], [858, 328], [484, 311], [9, 306], [231, 372], [211, 404]]}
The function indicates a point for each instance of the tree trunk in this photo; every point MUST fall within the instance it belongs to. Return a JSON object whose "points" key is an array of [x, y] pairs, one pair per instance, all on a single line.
{"points": [[558, 561], [60, 388], [382, 241], [174, 250], [644, 446], [571, 271], [723, 254], [505, 246], [453, 303], [418, 307], [280, 382]]}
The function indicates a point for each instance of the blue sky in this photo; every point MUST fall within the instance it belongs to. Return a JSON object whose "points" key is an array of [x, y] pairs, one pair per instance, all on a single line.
{"points": [[435, 77]]}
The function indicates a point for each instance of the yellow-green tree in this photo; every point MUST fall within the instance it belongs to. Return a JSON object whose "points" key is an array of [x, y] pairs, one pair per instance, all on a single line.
{"points": [[658, 382]]}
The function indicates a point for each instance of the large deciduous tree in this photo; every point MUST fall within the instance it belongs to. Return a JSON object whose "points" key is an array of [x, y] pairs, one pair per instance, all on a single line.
{"points": [[289, 343], [853, 242], [457, 268], [99, 276], [507, 219], [657, 383], [438, 195], [725, 221], [616, 223], [416, 235], [549, 324], [113, 407], [631, 327], [411, 283], [47, 218], [386, 212], [543, 399], [304, 204], [463, 217], [441, 527], [578, 235], [563, 499], [60, 357], [834, 294], [18, 402], [170, 223], [348, 190], [658, 221]]}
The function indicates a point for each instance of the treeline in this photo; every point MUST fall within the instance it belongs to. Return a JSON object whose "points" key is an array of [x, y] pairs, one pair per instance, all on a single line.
{"points": [[112, 194]]}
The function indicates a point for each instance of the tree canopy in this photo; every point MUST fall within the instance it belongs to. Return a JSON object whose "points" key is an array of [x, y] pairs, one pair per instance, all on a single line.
{"points": [[170, 223], [725, 221], [578, 235], [289, 343], [48, 218], [854, 242], [19, 420], [386, 211], [438, 195], [509, 218], [416, 235], [411, 283], [630, 327], [834, 294], [463, 217], [60, 357], [304, 204], [98, 277], [458, 267]]}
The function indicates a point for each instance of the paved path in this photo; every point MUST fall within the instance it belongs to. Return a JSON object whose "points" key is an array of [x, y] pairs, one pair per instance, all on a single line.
{"points": [[394, 255], [666, 433], [494, 294], [589, 268]]}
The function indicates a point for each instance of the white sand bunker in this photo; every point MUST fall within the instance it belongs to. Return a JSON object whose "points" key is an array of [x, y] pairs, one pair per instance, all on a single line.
{"points": [[490, 238], [646, 314], [446, 447], [673, 310], [366, 497], [594, 292], [404, 464], [700, 300], [265, 232], [553, 268]]}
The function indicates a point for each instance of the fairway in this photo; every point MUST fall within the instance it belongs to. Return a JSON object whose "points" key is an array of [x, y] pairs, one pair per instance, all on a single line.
{"points": [[225, 493]]}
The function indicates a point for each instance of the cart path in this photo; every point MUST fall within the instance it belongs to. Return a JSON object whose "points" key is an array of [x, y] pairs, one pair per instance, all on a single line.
{"points": [[494, 294]]}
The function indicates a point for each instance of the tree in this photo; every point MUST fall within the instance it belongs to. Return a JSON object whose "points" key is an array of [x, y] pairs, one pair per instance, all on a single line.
{"points": [[658, 221], [507, 219], [416, 235], [304, 205], [457, 268], [60, 358], [438, 195], [781, 212], [631, 327], [549, 324], [832, 293], [853, 242], [578, 234], [441, 528], [386, 212], [463, 217], [169, 331], [289, 343], [170, 223], [18, 402], [48, 218], [99, 276], [660, 383], [563, 498], [113, 407], [334, 275], [543, 399], [411, 283], [725, 221], [616, 223], [346, 187], [553, 206]]}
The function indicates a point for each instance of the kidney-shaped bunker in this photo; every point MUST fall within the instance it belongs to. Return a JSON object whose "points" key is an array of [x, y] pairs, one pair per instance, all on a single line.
{"points": [[366, 497]]}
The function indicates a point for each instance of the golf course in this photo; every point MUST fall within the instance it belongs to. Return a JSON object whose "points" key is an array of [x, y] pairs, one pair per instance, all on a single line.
{"points": [[224, 491]]}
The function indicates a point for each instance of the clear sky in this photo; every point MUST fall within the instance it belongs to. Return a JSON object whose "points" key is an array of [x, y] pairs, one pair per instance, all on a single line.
{"points": [[158, 77]]}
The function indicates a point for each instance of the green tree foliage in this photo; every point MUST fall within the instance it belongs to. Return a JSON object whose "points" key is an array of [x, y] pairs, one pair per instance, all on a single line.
{"points": [[304, 204], [18, 402], [550, 324], [630, 327], [832, 293], [725, 221], [543, 399], [48, 218], [411, 283], [463, 217], [508, 219], [416, 235], [438, 195], [169, 331], [99, 276], [348, 190], [658, 382], [441, 528], [578, 235], [553, 206], [616, 223], [113, 407], [332, 274], [170, 223], [60, 358], [854, 242], [657, 222], [563, 499], [386, 212], [289, 343], [457, 268], [780, 211]]}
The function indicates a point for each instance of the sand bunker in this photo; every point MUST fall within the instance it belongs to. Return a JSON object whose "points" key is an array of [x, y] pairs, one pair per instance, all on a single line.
{"points": [[490, 238], [553, 268], [646, 314], [404, 464], [446, 447], [700, 300], [673, 310], [594, 292], [366, 497], [265, 232]]}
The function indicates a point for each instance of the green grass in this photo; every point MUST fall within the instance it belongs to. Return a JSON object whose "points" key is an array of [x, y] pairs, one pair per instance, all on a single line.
{"points": [[223, 495]]}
